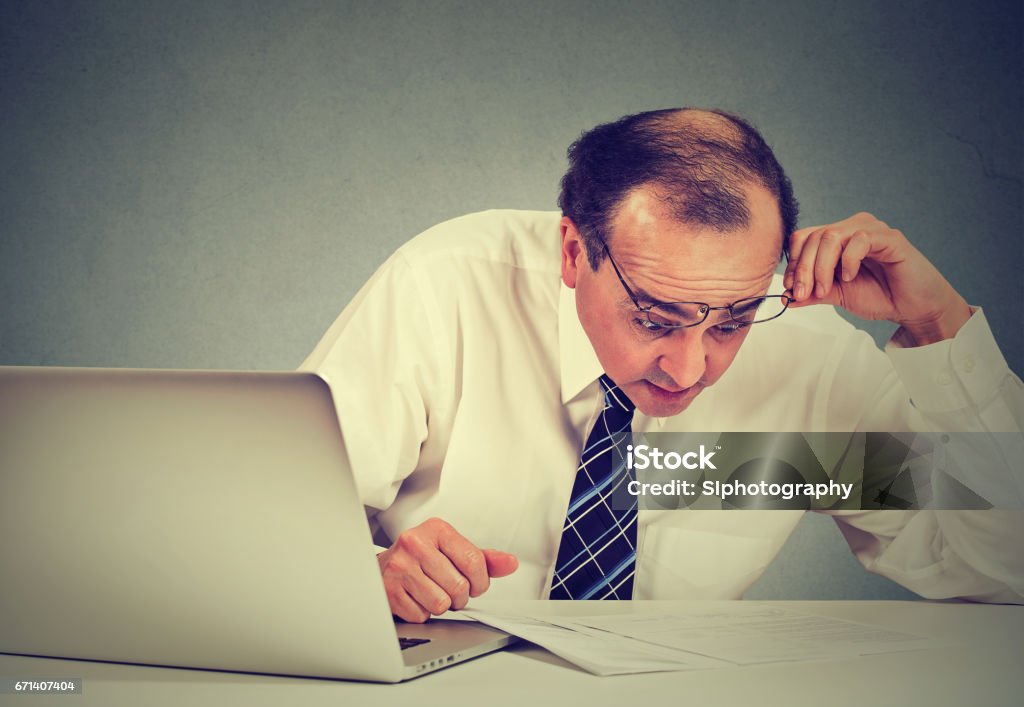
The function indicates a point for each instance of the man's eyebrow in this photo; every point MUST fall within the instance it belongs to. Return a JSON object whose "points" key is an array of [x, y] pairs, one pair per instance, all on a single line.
{"points": [[751, 303], [647, 300]]}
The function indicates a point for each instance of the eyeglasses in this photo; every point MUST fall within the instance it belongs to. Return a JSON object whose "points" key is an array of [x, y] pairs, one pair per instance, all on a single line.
{"points": [[682, 315]]}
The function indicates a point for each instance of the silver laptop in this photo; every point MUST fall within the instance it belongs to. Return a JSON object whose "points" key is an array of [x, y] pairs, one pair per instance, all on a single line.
{"points": [[195, 519]]}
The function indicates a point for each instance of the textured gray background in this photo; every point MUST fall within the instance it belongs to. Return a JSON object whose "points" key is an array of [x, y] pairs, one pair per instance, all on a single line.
{"points": [[207, 184]]}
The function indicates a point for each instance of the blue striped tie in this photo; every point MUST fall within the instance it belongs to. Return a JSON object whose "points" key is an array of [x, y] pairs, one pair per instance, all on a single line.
{"points": [[597, 555]]}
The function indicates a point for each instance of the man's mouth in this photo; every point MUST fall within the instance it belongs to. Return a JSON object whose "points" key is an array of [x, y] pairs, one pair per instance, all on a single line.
{"points": [[669, 394]]}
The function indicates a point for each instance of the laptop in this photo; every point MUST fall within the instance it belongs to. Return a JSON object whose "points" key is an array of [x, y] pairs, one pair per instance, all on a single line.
{"points": [[196, 519]]}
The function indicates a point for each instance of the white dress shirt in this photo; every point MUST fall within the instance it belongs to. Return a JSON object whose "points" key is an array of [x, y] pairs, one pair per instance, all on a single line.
{"points": [[465, 387]]}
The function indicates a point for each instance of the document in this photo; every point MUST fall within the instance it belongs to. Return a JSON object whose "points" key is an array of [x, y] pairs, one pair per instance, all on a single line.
{"points": [[697, 638]]}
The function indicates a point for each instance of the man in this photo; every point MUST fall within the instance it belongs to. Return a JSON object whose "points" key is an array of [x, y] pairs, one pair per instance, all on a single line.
{"points": [[477, 363]]}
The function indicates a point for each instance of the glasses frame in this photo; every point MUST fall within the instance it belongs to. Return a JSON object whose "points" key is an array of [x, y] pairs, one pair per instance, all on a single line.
{"points": [[703, 308]]}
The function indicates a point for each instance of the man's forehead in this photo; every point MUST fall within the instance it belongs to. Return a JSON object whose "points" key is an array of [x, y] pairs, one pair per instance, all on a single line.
{"points": [[665, 260]]}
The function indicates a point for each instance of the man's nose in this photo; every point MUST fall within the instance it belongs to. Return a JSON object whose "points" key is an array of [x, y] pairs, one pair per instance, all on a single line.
{"points": [[684, 358]]}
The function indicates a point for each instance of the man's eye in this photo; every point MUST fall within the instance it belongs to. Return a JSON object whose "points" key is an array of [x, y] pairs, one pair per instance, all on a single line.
{"points": [[727, 329], [649, 327]]}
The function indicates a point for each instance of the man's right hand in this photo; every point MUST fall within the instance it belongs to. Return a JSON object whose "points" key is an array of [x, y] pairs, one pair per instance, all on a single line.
{"points": [[431, 569]]}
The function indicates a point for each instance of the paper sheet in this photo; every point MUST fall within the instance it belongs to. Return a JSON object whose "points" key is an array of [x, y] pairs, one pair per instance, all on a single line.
{"points": [[698, 638], [595, 650]]}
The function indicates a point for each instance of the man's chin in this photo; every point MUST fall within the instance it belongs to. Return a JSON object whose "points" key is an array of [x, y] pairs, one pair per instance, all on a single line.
{"points": [[655, 401]]}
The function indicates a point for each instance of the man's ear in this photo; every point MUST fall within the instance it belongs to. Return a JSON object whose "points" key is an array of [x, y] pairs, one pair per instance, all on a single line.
{"points": [[574, 253]]}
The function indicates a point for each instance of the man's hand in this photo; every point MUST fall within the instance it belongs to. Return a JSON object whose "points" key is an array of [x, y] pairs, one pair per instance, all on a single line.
{"points": [[431, 568], [872, 271]]}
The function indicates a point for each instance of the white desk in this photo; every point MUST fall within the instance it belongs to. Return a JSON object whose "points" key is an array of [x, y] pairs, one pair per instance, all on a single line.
{"points": [[986, 668]]}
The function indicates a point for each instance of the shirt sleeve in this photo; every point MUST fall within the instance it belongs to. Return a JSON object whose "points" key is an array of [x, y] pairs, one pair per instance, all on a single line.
{"points": [[380, 359], [959, 385]]}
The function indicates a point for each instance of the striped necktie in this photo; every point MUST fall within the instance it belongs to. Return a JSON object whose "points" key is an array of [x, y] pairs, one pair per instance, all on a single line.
{"points": [[597, 555]]}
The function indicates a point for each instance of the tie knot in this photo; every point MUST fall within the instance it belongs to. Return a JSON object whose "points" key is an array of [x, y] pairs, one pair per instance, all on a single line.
{"points": [[614, 397]]}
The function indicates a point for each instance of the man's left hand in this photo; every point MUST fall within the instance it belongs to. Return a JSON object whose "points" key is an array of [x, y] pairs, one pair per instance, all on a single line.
{"points": [[873, 271]]}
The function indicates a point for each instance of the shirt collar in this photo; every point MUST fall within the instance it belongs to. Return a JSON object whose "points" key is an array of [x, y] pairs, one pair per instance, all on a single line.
{"points": [[579, 364], [580, 367]]}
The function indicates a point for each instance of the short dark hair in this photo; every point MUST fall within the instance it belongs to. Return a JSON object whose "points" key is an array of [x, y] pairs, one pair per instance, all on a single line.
{"points": [[698, 163]]}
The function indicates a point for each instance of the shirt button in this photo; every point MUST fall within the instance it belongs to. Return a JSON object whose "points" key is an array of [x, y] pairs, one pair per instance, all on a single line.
{"points": [[969, 363], [943, 378]]}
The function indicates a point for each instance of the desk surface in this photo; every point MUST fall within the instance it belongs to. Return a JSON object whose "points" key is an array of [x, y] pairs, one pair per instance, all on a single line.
{"points": [[985, 667]]}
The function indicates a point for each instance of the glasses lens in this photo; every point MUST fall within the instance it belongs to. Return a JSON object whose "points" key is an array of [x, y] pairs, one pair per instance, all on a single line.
{"points": [[678, 314], [759, 309]]}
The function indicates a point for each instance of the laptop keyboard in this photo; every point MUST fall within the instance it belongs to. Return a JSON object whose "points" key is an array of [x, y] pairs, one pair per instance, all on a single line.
{"points": [[404, 642]]}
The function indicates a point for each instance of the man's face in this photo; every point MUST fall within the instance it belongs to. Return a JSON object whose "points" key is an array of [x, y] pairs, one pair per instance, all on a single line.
{"points": [[663, 260]]}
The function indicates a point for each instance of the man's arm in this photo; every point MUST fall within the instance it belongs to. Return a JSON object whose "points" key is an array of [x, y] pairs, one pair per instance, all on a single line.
{"points": [[872, 271], [957, 380], [384, 361]]}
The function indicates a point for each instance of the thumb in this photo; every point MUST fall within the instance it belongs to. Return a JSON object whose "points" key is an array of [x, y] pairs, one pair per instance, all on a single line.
{"points": [[500, 564]]}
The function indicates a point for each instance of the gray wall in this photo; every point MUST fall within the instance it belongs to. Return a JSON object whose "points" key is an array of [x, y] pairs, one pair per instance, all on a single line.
{"points": [[206, 185]]}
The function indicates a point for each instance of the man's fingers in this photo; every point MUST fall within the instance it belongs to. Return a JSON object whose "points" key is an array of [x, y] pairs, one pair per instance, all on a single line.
{"points": [[431, 568], [406, 608], [426, 592], [854, 253], [467, 558], [830, 246], [796, 245], [500, 564], [412, 595], [803, 269], [440, 569]]}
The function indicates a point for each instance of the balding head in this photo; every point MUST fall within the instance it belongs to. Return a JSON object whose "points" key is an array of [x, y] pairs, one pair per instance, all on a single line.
{"points": [[700, 162], [708, 122]]}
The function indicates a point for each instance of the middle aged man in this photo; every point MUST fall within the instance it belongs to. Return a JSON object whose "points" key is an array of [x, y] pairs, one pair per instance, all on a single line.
{"points": [[479, 361]]}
